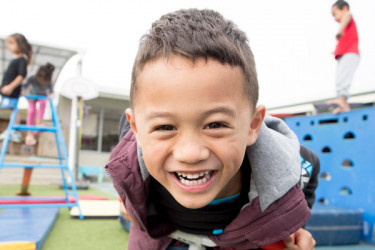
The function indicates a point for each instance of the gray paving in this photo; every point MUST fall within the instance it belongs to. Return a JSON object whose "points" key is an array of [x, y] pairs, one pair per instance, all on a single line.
{"points": [[362, 246]]}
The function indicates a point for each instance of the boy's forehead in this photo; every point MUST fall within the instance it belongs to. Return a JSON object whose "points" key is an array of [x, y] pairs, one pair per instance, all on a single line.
{"points": [[177, 63], [171, 70]]}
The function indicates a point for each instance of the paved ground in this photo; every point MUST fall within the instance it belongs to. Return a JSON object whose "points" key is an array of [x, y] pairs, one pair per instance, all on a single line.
{"points": [[105, 187], [348, 247]]}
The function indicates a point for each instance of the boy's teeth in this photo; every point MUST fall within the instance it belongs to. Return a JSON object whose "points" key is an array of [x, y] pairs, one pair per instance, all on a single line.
{"points": [[193, 179], [192, 176]]}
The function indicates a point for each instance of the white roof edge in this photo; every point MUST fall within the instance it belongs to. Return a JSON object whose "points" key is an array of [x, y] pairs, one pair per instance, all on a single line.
{"points": [[114, 96], [53, 45], [308, 107]]}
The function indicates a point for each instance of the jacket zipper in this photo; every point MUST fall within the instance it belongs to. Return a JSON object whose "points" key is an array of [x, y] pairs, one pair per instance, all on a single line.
{"points": [[126, 194]]}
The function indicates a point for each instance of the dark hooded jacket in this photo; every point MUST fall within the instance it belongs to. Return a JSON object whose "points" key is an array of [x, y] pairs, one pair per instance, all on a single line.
{"points": [[277, 206]]}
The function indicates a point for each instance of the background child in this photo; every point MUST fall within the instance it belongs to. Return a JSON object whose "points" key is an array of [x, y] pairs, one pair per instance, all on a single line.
{"points": [[346, 54], [198, 157], [39, 84], [10, 90]]}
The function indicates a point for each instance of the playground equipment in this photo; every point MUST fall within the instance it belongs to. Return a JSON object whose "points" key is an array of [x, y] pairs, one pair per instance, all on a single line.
{"points": [[345, 144], [26, 228], [63, 163]]}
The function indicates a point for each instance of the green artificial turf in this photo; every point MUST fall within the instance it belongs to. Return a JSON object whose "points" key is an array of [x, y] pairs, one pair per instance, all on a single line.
{"points": [[76, 234], [72, 234]]}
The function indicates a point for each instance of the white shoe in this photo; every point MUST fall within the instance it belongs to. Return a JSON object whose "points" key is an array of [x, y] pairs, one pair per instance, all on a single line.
{"points": [[15, 136], [3, 135]]}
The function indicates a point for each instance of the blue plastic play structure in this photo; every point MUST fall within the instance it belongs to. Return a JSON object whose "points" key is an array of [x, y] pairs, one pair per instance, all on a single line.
{"points": [[62, 155], [345, 144]]}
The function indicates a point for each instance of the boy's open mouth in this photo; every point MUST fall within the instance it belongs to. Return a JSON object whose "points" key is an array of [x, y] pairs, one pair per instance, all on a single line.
{"points": [[193, 178]]}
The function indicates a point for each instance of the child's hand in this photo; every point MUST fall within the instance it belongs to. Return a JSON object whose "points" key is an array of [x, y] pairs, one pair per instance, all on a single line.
{"points": [[7, 90], [339, 35], [301, 239], [125, 213]]}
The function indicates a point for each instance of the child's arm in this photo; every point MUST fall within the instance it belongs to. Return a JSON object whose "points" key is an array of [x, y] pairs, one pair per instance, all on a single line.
{"points": [[8, 89], [344, 22], [301, 239], [50, 90]]}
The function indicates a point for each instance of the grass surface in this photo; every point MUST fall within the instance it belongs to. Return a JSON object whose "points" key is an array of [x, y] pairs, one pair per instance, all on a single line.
{"points": [[74, 234]]}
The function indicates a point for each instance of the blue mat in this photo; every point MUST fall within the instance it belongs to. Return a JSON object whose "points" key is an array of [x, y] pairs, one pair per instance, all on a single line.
{"points": [[26, 225], [331, 225]]}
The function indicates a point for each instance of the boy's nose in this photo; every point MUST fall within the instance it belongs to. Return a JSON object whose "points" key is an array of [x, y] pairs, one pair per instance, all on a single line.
{"points": [[191, 149]]}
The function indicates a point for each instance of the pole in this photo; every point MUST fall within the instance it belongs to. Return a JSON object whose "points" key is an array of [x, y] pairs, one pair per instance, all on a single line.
{"points": [[79, 137], [73, 136]]}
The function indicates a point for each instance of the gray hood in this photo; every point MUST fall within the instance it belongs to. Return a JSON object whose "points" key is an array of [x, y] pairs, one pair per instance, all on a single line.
{"points": [[275, 162], [274, 159]]}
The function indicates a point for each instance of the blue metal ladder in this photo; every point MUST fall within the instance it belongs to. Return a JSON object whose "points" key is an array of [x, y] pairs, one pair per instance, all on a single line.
{"points": [[63, 161]]}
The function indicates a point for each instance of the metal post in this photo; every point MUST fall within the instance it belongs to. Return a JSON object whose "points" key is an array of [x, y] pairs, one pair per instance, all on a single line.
{"points": [[100, 130], [73, 136]]}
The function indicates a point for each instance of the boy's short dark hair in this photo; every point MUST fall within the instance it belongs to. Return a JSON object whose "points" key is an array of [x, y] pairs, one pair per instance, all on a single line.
{"points": [[194, 33], [341, 4]]}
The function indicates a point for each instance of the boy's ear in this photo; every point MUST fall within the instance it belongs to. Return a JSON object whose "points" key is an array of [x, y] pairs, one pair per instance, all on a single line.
{"points": [[255, 124], [133, 126]]}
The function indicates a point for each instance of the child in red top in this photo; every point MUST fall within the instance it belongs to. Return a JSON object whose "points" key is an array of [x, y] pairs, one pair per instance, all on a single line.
{"points": [[346, 54]]}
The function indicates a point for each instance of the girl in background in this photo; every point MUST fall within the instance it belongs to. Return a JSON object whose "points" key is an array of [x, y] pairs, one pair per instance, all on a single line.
{"points": [[38, 84], [10, 88]]}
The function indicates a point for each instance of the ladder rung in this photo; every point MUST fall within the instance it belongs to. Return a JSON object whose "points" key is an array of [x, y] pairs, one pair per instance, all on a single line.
{"points": [[28, 165], [41, 205], [33, 128]]}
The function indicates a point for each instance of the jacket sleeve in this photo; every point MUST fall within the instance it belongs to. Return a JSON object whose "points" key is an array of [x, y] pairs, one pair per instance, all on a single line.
{"points": [[310, 174]]}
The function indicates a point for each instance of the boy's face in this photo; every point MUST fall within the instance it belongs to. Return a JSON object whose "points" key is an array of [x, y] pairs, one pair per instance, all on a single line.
{"points": [[337, 13], [193, 123]]}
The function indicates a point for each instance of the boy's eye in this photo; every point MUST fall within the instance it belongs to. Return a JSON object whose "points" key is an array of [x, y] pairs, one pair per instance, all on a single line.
{"points": [[165, 127], [215, 125]]}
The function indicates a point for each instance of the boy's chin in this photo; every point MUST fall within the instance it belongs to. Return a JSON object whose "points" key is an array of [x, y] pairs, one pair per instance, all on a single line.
{"points": [[193, 203]]}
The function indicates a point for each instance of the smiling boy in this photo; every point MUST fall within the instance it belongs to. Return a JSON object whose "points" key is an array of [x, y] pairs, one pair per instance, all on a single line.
{"points": [[199, 157], [192, 128]]}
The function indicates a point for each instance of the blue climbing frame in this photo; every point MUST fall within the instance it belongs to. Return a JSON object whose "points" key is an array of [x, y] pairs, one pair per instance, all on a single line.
{"points": [[62, 154]]}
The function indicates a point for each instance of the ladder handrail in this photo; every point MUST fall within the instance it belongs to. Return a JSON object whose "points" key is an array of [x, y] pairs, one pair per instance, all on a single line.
{"points": [[61, 150]]}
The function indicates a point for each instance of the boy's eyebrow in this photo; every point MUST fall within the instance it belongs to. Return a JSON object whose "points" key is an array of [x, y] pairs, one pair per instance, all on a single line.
{"points": [[156, 114], [224, 110]]}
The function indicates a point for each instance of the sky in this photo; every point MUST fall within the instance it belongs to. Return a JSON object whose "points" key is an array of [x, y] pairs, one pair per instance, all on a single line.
{"points": [[292, 40]]}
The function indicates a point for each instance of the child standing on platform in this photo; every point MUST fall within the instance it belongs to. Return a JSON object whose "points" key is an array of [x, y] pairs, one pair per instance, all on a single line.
{"points": [[10, 88], [346, 54], [39, 84]]}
